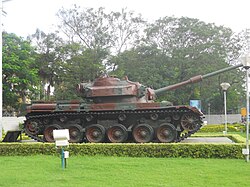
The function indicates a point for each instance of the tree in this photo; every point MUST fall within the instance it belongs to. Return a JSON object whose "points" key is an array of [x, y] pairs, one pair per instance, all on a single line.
{"points": [[19, 70], [244, 37], [63, 64], [142, 64], [168, 51], [125, 30], [76, 69], [99, 31], [94, 37], [186, 47], [48, 59]]}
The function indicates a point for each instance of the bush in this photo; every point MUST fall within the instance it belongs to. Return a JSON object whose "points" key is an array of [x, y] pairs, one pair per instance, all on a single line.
{"points": [[129, 150], [221, 128], [23, 149], [236, 138]]}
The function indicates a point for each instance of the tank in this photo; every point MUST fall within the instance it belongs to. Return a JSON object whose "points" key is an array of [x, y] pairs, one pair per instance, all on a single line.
{"points": [[117, 111]]}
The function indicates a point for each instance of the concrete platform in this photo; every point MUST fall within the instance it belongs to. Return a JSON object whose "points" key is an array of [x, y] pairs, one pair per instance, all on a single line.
{"points": [[208, 140]]}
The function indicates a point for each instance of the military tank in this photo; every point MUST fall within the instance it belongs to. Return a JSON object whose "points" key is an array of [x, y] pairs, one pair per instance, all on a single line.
{"points": [[116, 111]]}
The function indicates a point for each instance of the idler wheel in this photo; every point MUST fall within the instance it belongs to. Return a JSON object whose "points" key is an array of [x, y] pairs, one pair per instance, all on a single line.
{"points": [[48, 132], [117, 134], [75, 133], [143, 133], [190, 122], [166, 133], [95, 133], [32, 127]]}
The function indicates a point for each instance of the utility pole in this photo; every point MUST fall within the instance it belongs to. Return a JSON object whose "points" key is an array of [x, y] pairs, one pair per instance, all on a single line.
{"points": [[1, 68], [246, 64], [1, 72]]}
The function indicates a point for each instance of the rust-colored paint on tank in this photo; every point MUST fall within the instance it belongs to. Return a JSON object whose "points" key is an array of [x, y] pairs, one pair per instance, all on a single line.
{"points": [[106, 81], [109, 87], [68, 107], [74, 102], [111, 91], [147, 105], [120, 108], [43, 106], [106, 106]]}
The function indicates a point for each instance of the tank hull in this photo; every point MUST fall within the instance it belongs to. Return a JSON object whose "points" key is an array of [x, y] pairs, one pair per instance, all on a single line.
{"points": [[112, 122]]}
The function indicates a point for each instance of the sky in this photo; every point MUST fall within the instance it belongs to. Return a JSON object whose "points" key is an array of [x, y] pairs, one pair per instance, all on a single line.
{"points": [[25, 16]]}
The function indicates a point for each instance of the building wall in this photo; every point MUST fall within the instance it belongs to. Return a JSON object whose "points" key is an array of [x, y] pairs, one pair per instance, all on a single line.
{"points": [[220, 119]]}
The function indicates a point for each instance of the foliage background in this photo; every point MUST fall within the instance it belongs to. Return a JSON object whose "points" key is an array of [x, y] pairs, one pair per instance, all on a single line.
{"points": [[92, 42]]}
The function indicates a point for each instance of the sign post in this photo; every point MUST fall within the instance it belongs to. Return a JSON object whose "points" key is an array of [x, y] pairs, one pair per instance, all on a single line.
{"points": [[61, 137], [195, 103], [224, 87]]}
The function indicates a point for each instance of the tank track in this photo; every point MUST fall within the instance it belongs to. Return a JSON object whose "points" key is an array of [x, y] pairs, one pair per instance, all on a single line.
{"points": [[179, 139], [37, 138], [187, 134]]}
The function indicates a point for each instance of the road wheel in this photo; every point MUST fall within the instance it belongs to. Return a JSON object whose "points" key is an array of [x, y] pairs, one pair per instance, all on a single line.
{"points": [[143, 133], [75, 134], [95, 133], [166, 133], [117, 134], [48, 132]]}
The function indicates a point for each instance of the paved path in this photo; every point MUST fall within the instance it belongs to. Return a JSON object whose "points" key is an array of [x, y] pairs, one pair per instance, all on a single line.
{"points": [[207, 140]]}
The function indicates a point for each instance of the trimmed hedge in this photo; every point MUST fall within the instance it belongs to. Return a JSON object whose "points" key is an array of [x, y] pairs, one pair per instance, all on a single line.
{"points": [[236, 138], [25, 149], [221, 128], [232, 151]]}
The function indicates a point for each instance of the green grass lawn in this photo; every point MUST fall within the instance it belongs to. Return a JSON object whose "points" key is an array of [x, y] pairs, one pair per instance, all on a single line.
{"points": [[122, 171]]}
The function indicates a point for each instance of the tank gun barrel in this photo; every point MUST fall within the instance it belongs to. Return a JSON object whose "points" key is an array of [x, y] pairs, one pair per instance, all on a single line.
{"points": [[192, 80]]}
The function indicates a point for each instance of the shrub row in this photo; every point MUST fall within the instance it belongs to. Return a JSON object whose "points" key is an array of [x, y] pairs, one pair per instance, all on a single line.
{"points": [[236, 138], [130, 150], [221, 128]]}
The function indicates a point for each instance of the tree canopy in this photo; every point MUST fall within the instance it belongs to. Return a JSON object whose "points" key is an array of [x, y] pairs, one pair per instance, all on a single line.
{"points": [[20, 76]]}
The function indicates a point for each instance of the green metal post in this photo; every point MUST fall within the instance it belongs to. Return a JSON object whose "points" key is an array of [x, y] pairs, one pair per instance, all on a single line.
{"points": [[62, 158]]}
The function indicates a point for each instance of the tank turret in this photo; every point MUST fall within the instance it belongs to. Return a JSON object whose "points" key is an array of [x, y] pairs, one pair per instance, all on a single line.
{"points": [[113, 90]]}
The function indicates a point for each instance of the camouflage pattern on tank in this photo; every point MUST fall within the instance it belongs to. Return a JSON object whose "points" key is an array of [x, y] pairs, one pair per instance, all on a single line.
{"points": [[117, 111]]}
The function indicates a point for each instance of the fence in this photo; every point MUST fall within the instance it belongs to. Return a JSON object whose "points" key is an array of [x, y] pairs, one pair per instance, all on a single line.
{"points": [[220, 119]]}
